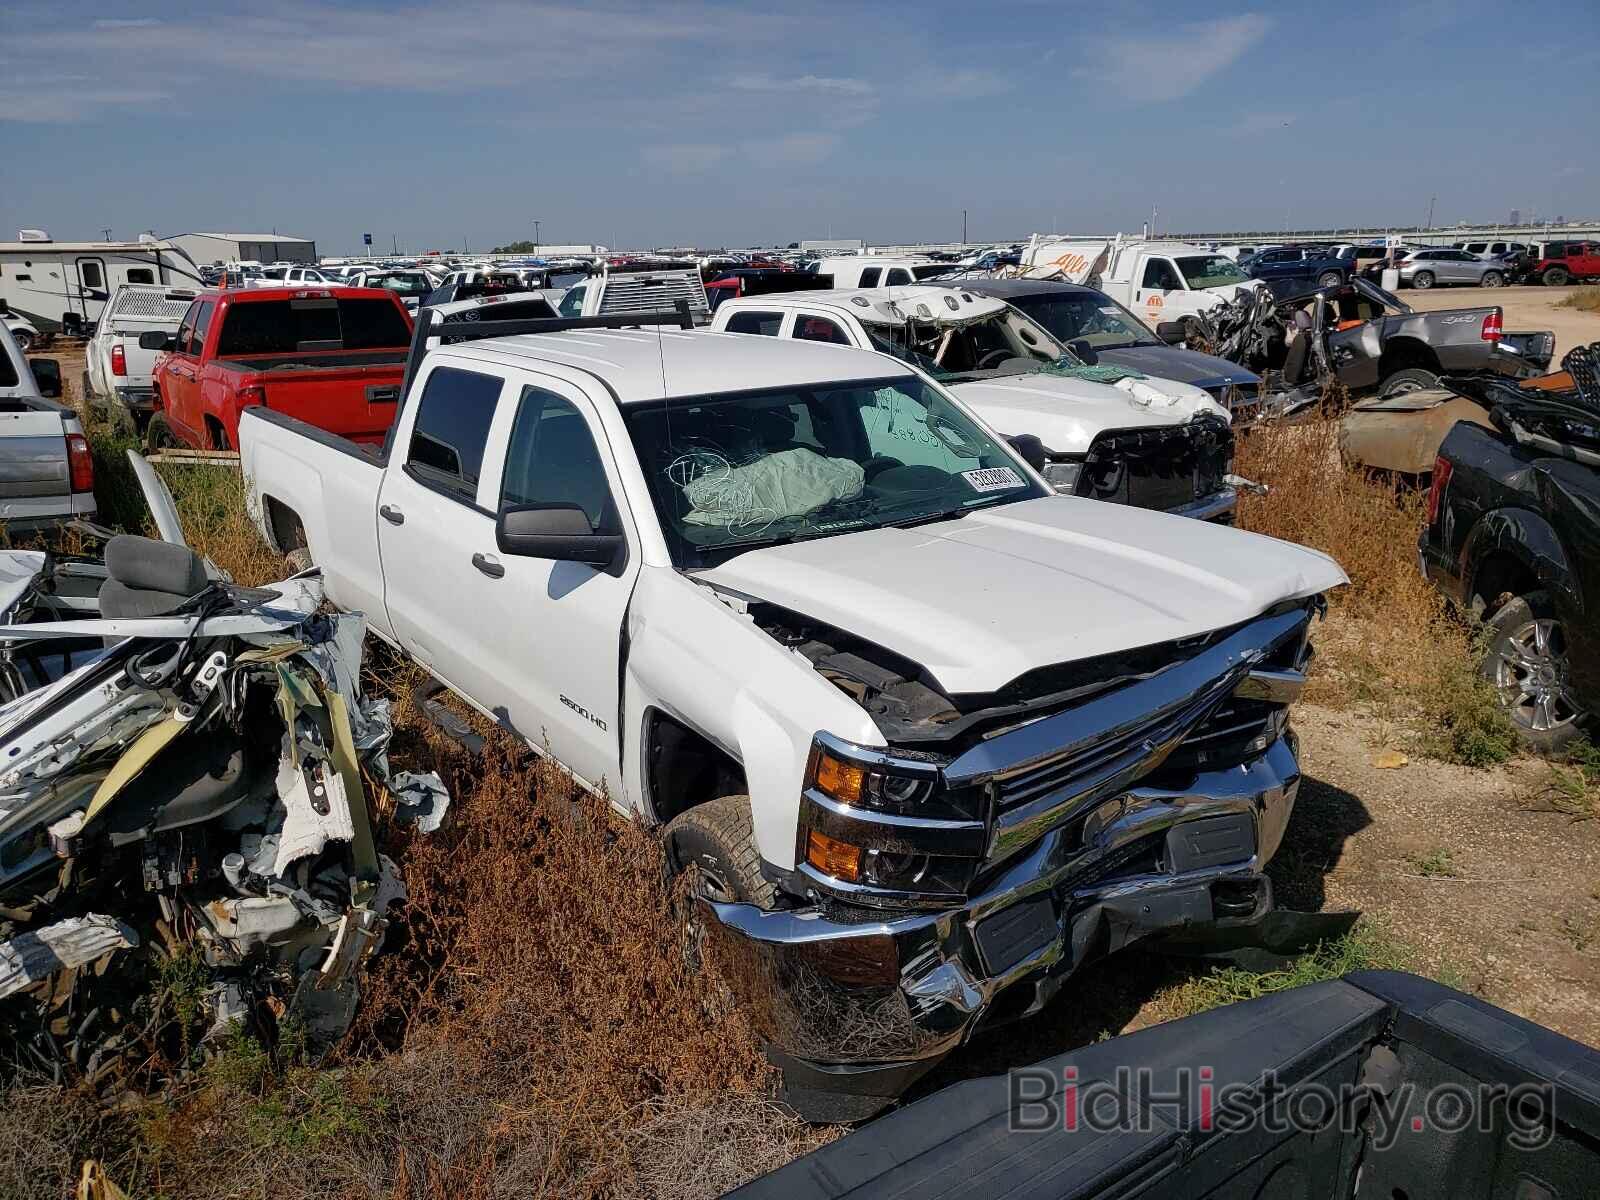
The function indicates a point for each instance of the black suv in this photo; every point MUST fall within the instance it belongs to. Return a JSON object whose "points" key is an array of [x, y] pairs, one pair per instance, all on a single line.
{"points": [[1513, 535]]}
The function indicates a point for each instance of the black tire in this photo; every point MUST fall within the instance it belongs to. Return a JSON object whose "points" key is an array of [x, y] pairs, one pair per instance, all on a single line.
{"points": [[87, 394], [1412, 379], [1422, 280], [24, 339], [1555, 277], [1526, 663], [158, 434], [717, 839], [298, 559], [1329, 279], [1492, 279]]}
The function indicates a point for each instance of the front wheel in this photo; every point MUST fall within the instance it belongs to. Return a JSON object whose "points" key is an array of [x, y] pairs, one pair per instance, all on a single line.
{"points": [[1492, 279], [1556, 277], [1527, 664], [1422, 280], [1329, 279], [716, 841], [24, 339]]}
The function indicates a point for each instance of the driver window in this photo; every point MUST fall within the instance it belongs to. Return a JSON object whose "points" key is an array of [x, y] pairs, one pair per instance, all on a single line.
{"points": [[552, 460], [897, 275], [869, 277], [818, 329], [186, 328], [1161, 275]]}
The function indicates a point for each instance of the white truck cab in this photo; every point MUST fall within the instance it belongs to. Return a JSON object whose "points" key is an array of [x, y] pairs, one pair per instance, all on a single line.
{"points": [[876, 271], [636, 289], [1160, 281], [1107, 433]]}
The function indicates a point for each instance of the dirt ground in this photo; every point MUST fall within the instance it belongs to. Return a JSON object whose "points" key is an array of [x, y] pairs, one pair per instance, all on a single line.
{"points": [[1525, 308]]}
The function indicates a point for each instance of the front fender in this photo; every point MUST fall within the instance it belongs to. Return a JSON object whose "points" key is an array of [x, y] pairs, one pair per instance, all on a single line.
{"points": [[1529, 539], [694, 657]]}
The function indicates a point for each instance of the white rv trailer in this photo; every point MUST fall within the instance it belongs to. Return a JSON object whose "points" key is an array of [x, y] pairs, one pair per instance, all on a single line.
{"points": [[65, 285]]}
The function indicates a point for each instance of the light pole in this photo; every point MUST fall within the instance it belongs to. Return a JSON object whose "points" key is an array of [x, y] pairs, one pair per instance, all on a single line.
{"points": [[963, 227], [536, 235]]}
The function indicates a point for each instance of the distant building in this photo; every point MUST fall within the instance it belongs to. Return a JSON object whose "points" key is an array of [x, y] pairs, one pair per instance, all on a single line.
{"points": [[1515, 218], [211, 248], [840, 245]]}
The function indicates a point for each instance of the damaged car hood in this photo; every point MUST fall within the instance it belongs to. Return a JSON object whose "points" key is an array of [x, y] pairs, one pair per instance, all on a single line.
{"points": [[1066, 413], [1184, 366], [980, 600]]}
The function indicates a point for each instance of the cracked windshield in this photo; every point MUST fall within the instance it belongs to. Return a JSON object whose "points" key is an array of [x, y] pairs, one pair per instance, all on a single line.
{"points": [[778, 466]]}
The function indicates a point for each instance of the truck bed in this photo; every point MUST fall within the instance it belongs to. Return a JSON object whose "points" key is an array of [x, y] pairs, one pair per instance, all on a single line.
{"points": [[351, 393], [1406, 1040]]}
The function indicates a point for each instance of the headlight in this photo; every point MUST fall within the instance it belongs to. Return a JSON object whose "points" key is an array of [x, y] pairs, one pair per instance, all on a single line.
{"points": [[1063, 476], [882, 787]]}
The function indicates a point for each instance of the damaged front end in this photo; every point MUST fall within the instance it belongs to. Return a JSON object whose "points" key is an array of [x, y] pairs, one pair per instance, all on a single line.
{"points": [[957, 878], [180, 782]]}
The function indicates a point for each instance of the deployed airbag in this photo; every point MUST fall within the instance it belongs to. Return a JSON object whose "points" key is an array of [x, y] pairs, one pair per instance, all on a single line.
{"points": [[787, 484]]}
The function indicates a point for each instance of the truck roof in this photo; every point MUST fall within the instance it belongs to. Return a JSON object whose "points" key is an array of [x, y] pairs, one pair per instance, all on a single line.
{"points": [[632, 363], [296, 291], [884, 305]]}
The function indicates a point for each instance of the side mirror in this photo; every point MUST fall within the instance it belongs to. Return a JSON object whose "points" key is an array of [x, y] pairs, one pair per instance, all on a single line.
{"points": [[556, 531], [47, 374], [1030, 449], [1082, 348], [1172, 333], [155, 339]]}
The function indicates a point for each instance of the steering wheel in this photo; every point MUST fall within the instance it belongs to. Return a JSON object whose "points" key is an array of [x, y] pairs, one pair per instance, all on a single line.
{"points": [[993, 359]]}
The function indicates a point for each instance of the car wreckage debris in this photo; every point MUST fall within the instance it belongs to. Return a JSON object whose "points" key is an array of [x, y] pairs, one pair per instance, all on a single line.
{"points": [[182, 809]]}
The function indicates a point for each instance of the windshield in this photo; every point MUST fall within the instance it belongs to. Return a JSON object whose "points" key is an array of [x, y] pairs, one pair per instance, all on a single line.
{"points": [[1098, 320], [1210, 270], [729, 473], [990, 348]]}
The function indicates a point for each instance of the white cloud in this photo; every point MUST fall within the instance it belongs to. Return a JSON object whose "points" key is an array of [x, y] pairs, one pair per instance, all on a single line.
{"points": [[684, 158], [791, 150], [1155, 66], [126, 22], [829, 84]]}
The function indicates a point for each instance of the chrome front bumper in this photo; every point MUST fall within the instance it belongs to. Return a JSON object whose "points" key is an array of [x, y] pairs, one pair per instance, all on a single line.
{"points": [[851, 994], [1209, 508]]}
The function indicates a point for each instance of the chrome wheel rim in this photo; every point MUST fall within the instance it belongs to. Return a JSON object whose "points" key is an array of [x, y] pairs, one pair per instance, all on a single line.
{"points": [[1530, 673]]}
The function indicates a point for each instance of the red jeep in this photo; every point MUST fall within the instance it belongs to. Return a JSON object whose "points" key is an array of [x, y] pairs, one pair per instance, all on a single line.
{"points": [[1564, 262]]}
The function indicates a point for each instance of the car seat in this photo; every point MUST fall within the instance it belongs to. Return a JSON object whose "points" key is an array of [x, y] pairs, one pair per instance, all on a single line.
{"points": [[147, 578]]}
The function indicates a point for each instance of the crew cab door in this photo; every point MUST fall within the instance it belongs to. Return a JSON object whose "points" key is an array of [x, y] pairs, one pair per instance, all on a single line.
{"points": [[180, 389], [550, 632]]}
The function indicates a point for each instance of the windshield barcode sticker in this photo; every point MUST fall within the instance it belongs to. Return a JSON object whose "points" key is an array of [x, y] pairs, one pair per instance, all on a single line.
{"points": [[992, 479]]}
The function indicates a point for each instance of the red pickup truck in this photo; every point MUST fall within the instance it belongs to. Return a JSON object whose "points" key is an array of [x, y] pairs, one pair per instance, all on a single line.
{"points": [[332, 357]]}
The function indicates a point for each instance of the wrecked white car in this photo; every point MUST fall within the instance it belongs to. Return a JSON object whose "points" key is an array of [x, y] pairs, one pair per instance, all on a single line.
{"points": [[180, 772]]}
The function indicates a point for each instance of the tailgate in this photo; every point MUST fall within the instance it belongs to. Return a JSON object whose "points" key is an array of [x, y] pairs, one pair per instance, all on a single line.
{"points": [[33, 455], [354, 402]]}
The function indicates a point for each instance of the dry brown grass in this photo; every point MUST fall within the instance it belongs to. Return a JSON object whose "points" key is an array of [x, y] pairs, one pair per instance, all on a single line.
{"points": [[1388, 643], [1585, 299]]}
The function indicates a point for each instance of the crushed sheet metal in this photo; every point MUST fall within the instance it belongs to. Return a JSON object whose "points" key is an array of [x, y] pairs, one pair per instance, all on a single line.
{"points": [[134, 759], [18, 570], [318, 812], [421, 799], [29, 957]]}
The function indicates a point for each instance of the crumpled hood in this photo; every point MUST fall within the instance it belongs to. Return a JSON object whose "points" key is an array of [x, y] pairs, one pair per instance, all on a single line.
{"points": [[982, 599], [1185, 366], [1066, 413]]}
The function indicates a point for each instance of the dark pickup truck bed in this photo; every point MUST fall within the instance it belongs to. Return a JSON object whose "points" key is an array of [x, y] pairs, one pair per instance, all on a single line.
{"points": [[1379, 1085]]}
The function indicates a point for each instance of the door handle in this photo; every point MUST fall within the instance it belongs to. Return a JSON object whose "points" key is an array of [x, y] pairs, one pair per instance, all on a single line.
{"points": [[489, 565], [391, 514]]}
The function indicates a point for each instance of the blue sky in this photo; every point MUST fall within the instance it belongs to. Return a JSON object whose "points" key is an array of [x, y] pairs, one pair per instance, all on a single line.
{"points": [[720, 124]]}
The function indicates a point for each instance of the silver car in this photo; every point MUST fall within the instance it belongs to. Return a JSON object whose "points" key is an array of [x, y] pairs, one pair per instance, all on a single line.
{"points": [[1435, 267]]}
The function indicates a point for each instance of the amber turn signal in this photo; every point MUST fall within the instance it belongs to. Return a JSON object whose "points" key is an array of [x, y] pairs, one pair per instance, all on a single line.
{"points": [[832, 857], [839, 779]]}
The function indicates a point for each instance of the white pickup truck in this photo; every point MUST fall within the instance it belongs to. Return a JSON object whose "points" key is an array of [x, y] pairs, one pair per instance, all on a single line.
{"points": [[116, 370], [1161, 281], [1108, 433], [635, 288], [931, 736]]}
